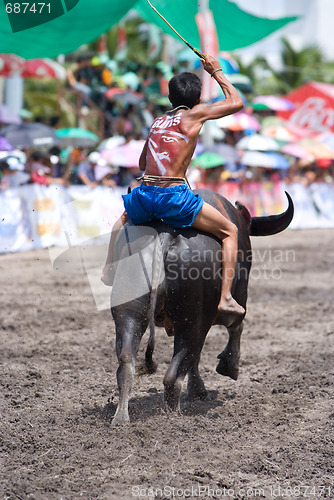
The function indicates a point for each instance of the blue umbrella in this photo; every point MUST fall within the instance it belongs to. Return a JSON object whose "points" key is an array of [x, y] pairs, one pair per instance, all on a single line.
{"points": [[265, 160], [228, 64], [279, 161]]}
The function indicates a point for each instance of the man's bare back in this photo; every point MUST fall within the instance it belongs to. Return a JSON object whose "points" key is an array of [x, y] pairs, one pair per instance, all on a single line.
{"points": [[169, 148]]}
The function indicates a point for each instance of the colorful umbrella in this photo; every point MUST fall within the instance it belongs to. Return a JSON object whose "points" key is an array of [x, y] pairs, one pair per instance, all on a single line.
{"points": [[228, 64], [30, 135], [10, 64], [279, 132], [265, 160], [126, 155], [279, 161], [239, 121], [274, 103], [26, 114], [77, 137], [215, 132], [328, 140], [271, 121], [229, 153], [297, 151], [258, 142], [111, 93], [128, 96], [208, 160], [258, 106], [111, 142], [241, 82], [317, 149], [16, 153], [43, 68], [8, 116], [101, 171], [137, 145]]}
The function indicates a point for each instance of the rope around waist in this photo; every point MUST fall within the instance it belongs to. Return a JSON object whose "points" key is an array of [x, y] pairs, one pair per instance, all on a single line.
{"points": [[161, 179]]}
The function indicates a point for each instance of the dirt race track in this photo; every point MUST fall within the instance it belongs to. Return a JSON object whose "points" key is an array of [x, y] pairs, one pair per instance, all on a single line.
{"points": [[268, 435]]}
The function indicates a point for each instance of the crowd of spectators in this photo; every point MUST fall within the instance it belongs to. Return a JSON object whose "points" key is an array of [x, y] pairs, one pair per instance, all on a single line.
{"points": [[130, 118], [131, 113], [84, 167], [47, 168]]}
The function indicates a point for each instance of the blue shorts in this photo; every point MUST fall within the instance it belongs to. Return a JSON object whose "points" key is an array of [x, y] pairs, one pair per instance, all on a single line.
{"points": [[174, 205]]}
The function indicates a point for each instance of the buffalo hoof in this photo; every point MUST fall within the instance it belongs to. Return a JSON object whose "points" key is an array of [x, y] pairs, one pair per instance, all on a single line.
{"points": [[227, 367], [120, 419]]}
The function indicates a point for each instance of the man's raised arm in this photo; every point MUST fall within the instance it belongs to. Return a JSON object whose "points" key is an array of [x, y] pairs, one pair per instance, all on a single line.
{"points": [[233, 102]]}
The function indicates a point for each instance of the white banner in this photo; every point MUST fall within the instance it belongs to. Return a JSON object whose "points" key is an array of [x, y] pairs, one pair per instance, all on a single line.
{"points": [[35, 216]]}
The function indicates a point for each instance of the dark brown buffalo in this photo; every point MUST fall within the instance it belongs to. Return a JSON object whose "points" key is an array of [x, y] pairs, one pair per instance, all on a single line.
{"points": [[172, 278]]}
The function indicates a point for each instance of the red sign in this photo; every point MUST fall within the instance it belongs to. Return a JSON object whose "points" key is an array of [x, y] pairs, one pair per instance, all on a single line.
{"points": [[314, 107]]}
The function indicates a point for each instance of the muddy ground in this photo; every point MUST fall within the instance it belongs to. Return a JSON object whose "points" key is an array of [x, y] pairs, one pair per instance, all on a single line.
{"points": [[267, 435]]}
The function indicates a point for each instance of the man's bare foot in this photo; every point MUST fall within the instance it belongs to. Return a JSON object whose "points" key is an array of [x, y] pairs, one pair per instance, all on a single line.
{"points": [[230, 306], [108, 274]]}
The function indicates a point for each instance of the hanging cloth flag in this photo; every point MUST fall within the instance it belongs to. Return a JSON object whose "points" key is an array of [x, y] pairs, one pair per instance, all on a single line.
{"points": [[154, 41], [235, 27], [37, 30], [102, 48], [121, 50], [209, 45], [171, 49]]}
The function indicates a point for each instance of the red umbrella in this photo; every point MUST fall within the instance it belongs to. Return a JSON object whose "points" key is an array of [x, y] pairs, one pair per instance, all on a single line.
{"points": [[43, 68], [10, 64], [110, 93]]}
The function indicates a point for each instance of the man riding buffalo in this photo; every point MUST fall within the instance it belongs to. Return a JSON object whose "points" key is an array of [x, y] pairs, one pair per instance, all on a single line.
{"points": [[151, 260], [164, 193]]}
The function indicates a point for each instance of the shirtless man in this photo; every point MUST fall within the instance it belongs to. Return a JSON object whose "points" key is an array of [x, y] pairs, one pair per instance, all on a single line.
{"points": [[164, 193]]}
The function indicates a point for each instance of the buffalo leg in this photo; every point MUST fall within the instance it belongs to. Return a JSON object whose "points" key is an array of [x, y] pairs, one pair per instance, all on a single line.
{"points": [[196, 388], [127, 345], [187, 351], [229, 358]]}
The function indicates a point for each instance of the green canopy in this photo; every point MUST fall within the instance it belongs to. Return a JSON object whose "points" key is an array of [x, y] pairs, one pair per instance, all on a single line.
{"points": [[208, 160], [235, 27], [64, 25], [77, 137], [59, 32]]}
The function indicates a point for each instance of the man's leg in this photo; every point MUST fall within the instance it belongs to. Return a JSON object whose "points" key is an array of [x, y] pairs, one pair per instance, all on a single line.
{"points": [[211, 221], [108, 271]]}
